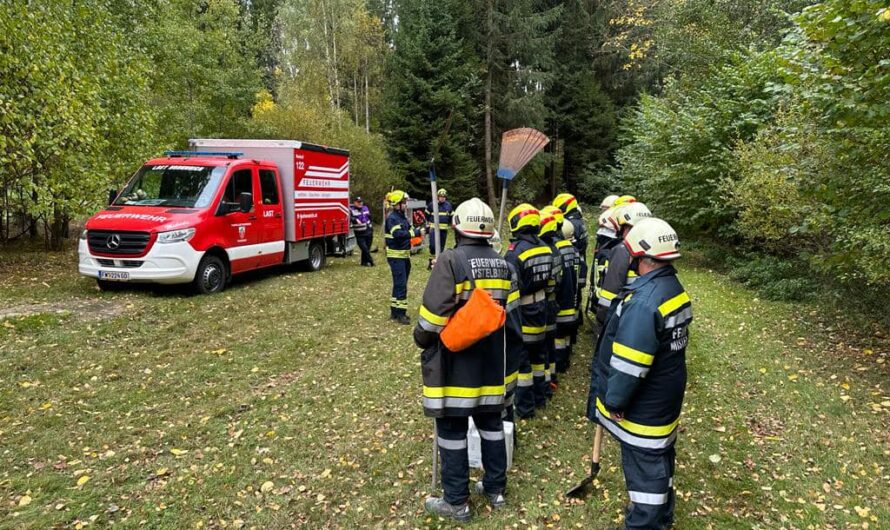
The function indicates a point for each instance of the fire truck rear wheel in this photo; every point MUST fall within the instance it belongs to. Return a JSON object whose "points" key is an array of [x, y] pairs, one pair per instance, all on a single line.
{"points": [[211, 275], [316, 256]]}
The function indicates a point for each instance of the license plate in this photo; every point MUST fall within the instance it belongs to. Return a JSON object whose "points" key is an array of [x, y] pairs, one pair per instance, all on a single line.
{"points": [[115, 276]]}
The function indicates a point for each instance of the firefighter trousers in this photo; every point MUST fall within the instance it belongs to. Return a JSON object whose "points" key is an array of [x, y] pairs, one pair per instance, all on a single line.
{"points": [[549, 372], [432, 240], [452, 440], [400, 268], [537, 356], [524, 400], [650, 486]]}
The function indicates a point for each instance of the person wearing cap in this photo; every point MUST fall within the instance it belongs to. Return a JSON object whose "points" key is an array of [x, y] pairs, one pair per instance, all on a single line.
{"points": [[361, 227], [470, 382], [638, 380], [445, 211], [398, 253]]}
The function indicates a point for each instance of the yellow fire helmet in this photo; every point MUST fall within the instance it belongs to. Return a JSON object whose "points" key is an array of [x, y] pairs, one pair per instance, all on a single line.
{"points": [[565, 202], [653, 238], [560, 217], [631, 213], [624, 199], [549, 221], [473, 218], [524, 216], [608, 202], [397, 196], [442, 192]]}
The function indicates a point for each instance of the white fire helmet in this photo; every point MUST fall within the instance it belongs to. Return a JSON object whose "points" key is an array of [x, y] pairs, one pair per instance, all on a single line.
{"points": [[608, 202], [568, 231], [631, 213], [653, 238], [473, 218]]}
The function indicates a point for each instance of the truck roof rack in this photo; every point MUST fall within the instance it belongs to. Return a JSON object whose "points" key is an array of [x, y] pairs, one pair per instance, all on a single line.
{"points": [[190, 154]]}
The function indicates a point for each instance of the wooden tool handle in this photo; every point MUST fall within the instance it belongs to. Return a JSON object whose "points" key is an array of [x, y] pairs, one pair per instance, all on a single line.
{"points": [[597, 443]]}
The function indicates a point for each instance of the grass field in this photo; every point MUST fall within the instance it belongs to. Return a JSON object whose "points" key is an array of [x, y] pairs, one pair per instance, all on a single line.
{"points": [[290, 401]]}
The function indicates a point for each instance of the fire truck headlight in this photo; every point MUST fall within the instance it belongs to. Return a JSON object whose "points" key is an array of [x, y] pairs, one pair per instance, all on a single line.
{"points": [[175, 236]]}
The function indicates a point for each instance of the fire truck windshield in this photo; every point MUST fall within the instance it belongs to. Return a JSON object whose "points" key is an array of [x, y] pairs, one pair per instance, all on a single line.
{"points": [[171, 185]]}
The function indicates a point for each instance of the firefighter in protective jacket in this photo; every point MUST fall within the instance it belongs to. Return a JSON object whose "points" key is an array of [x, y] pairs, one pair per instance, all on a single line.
{"points": [[639, 375], [549, 235], [568, 205], [457, 385], [616, 271], [398, 254], [533, 262], [566, 288]]}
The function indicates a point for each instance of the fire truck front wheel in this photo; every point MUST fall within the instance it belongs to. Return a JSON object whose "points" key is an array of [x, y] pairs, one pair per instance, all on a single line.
{"points": [[211, 275]]}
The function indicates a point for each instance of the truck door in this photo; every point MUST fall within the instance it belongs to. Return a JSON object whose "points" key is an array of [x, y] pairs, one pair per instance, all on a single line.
{"points": [[269, 212], [241, 230]]}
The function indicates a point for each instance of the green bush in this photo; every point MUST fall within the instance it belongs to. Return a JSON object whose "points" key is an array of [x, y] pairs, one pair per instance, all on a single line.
{"points": [[775, 278]]}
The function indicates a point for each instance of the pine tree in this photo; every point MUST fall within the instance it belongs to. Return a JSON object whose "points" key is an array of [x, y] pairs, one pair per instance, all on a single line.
{"points": [[431, 74]]}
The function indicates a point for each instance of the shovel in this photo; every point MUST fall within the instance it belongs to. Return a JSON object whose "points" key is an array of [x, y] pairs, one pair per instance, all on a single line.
{"points": [[580, 491]]}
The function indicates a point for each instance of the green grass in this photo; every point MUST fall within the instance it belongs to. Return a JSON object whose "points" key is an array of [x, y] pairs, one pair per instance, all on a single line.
{"points": [[180, 408]]}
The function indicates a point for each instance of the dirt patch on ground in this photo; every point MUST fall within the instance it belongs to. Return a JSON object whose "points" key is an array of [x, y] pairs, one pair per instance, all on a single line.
{"points": [[78, 309]]}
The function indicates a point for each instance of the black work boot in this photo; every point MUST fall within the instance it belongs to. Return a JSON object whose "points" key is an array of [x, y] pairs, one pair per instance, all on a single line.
{"points": [[403, 319], [496, 500], [439, 506]]}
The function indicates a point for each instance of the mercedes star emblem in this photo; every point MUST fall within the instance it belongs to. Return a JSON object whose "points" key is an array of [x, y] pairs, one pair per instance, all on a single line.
{"points": [[113, 241]]}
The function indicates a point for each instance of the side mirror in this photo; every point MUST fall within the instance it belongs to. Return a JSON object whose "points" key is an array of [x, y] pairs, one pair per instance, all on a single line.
{"points": [[245, 202], [112, 194]]}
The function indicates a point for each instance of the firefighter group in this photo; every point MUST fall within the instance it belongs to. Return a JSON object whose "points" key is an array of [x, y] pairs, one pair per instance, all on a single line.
{"points": [[504, 363]]}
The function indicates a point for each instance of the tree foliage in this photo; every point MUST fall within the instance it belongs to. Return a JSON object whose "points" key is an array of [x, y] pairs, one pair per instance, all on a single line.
{"points": [[782, 150]]}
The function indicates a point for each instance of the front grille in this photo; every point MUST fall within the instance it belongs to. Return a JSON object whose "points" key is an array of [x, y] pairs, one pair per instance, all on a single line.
{"points": [[125, 263], [130, 242]]}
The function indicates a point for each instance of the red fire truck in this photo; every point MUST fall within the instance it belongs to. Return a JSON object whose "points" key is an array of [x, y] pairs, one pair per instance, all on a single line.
{"points": [[226, 207]]}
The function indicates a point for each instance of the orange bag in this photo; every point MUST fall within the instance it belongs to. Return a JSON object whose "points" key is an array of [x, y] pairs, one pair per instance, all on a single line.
{"points": [[478, 318]]}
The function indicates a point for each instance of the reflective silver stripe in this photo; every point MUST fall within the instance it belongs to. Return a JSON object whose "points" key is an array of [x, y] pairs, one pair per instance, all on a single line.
{"points": [[454, 445], [640, 497], [512, 306], [671, 482], [491, 436], [537, 337], [566, 319], [538, 373], [679, 319], [550, 327], [532, 298], [636, 441], [525, 382], [538, 260], [461, 403], [429, 326], [498, 294], [605, 302], [509, 387], [628, 368], [630, 281]]}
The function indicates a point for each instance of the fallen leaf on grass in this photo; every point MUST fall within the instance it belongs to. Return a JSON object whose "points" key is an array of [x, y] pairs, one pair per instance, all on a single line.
{"points": [[83, 480], [267, 486], [25, 500]]}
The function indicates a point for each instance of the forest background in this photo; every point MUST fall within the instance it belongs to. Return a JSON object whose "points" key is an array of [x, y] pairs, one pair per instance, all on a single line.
{"points": [[760, 129]]}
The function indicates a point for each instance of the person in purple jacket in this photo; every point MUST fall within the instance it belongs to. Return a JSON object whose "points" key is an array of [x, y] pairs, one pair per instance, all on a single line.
{"points": [[361, 226]]}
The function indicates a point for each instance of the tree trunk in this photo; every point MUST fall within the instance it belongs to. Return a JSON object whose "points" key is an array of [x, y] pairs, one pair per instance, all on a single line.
{"points": [[32, 221], [55, 230], [355, 97], [489, 177], [367, 105]]}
